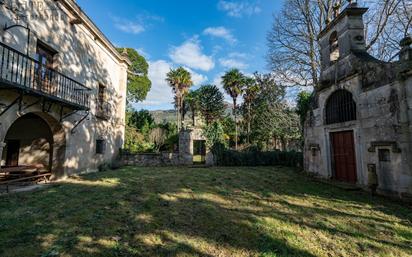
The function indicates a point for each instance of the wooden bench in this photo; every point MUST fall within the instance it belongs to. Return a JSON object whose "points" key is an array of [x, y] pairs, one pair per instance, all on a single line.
{"points": [[7, 183]]}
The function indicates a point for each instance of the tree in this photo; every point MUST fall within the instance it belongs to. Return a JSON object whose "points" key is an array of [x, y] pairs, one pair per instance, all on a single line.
{"points": [[138, 83], [303, 105], [294, 47], [233, 82], [192, 103], [251, 90], [214, 134], [158, 137], [272, 119], [180, 80], [211, 103], [229, 128], [140, 120]]}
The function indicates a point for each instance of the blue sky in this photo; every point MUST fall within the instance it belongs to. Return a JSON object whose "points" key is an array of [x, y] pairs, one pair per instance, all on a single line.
{"points": [[208, 37]]}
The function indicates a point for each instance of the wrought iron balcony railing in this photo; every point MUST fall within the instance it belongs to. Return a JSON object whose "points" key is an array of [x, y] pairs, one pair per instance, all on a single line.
{"points": [[17, 70]]}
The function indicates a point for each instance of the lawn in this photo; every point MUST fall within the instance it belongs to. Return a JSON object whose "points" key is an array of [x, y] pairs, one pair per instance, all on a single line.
{"points": [[263, 211]]}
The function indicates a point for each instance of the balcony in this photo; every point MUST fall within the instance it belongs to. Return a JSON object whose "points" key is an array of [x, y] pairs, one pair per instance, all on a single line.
{"points": [[23, 73]]}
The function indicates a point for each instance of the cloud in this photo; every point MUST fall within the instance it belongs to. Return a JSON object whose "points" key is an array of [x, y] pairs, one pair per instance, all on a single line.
{"points": [[190, 54], [143, 53], [232, 63], [129, 27], [234, 60], [220, 32], [198, 79], [238, 9], [160, 95], [140, 24]]}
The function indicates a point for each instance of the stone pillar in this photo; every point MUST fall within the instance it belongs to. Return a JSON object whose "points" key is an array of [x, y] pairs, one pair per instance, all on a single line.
{"points": [[185, 148], [2, 146]]}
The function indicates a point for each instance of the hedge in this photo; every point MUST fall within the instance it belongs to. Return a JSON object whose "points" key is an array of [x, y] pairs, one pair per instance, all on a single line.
{"points": [[253, 157]]}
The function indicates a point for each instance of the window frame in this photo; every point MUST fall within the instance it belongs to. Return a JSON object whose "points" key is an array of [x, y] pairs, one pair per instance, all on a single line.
{"points": [[340, 107], [100, 146]]}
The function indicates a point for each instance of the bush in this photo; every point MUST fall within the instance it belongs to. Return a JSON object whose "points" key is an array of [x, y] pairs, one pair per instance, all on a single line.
{"points": [[255, 157]]}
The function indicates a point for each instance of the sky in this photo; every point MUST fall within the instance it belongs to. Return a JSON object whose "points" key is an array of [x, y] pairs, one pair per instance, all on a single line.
{"points": [[207, 37]]}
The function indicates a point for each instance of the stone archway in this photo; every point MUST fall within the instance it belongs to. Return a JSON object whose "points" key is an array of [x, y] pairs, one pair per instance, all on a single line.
{"points": [[35, 139]]}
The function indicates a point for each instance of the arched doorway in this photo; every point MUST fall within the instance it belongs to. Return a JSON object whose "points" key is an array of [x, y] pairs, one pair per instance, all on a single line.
{"points": [[35, 142], [341, 108]]}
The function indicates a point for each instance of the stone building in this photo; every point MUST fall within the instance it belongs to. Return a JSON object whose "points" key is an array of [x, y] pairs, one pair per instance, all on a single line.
{"points": [[62, 89], [360, 126]]}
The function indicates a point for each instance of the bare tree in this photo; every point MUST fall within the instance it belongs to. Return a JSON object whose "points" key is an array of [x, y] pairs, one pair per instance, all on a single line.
{"points": [[294, 48]]}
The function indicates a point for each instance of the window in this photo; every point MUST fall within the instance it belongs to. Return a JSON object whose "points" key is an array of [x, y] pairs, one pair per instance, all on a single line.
{"points": [[340, 107], [101, 105], [100, 146], [45, 58], [334, 47], [45, 55], [102, 93], [384, 155]]}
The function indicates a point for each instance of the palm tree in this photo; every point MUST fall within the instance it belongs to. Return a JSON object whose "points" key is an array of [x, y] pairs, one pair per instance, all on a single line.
{"points": [[180, 80], [251, 90], [192, 102], [233, 82]]}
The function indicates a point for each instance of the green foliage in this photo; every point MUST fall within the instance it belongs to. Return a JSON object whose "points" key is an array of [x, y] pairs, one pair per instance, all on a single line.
{"points": [[229, 128], [191, 102], [303, 105], [233, 82], [138, 82], [135, 141], [214, 134], [254, 157], [143, 135], [180, 80], [211, 103], [171, 143], [141, 120], [270, 116]]}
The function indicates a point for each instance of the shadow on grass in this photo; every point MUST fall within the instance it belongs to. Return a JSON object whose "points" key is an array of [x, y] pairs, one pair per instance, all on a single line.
{"points": [[180, 212]]}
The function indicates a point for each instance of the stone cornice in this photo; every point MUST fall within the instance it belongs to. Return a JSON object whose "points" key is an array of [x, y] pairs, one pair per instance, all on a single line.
{"points": [[82, 18], [351, 10]]}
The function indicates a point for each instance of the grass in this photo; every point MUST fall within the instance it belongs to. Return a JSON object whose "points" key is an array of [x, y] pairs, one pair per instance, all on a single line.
{"points": [[198, 159], [262, 211]]}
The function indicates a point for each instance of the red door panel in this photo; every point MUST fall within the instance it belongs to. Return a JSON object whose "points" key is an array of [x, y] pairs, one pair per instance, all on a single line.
{"points": [[344, 161]]}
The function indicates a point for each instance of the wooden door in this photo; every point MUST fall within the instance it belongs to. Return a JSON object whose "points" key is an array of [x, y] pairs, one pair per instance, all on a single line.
{"points": [[12, 156], [344, 160]]}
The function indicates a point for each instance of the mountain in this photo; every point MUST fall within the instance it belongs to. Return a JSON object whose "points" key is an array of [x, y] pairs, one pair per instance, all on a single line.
{"points": [[162, 116]]}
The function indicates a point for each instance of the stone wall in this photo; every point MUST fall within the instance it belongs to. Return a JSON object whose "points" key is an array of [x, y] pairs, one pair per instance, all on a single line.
{"points": [[150, 159], [83, 54]]}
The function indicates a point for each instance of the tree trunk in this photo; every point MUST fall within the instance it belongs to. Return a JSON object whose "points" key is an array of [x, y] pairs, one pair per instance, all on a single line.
{"points": [[177, 117], [178, 113], [235, 114], [181, 113], [248, 123], [193, 118]]}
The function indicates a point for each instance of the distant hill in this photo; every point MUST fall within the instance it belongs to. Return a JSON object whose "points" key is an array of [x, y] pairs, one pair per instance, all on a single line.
{"points": [[161, 116]]}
